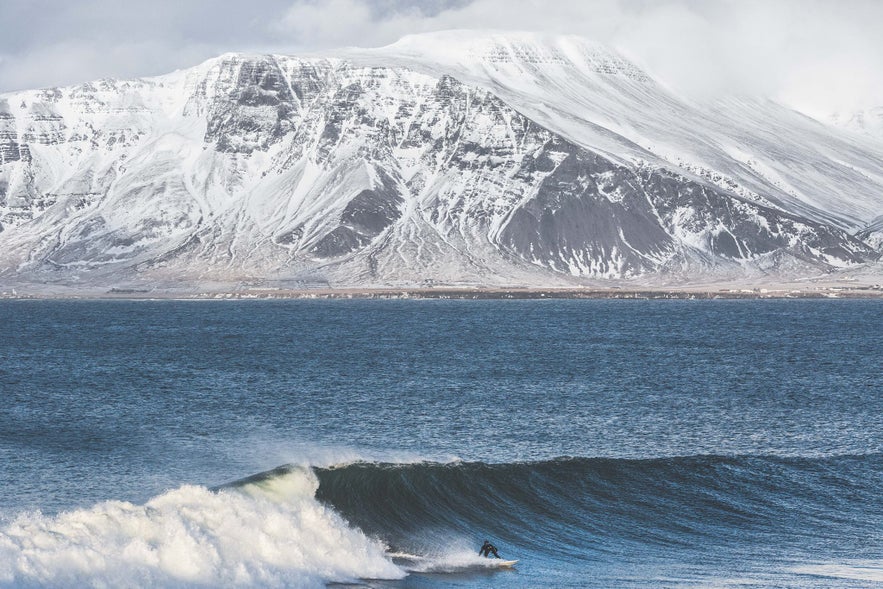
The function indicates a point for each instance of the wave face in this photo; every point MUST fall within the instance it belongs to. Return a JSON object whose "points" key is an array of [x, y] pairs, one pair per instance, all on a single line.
{"points": [[588, 508], [296, 526], [270, 532]]}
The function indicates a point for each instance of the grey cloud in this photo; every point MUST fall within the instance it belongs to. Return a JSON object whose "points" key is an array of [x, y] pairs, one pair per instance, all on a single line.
{"points": [[814, 54], [817, 55], [55, 42]]}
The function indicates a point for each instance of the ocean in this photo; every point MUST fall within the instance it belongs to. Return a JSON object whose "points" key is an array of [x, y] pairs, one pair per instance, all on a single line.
{"points": [[364, 443]]}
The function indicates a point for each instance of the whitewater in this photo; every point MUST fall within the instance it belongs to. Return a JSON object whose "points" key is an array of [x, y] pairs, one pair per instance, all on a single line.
{"points": [[378, 443], [270, 535]]}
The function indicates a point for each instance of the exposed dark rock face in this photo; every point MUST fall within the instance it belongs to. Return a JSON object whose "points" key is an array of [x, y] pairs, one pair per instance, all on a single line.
{"points": [[254, 109], [588, 216], [11, 150], [364, 218], [743, 230]]}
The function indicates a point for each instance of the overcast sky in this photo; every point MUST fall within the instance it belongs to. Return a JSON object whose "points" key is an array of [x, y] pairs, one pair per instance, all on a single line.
{"points": [[817, 55]]}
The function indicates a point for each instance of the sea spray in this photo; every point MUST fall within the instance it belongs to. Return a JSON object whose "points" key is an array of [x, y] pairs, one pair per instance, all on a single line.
{"points": [[269, 533]]}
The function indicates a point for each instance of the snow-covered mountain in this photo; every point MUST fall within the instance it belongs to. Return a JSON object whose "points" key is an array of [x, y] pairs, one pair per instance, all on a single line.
{"points": [[459, 157], [867, 121]]}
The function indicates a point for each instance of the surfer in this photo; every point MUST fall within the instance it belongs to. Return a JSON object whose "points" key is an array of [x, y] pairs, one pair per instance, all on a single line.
{"points": [[487, 549]]}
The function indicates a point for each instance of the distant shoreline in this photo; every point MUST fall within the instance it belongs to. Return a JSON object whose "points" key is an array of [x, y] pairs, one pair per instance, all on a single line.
{"points": [[514, 293]]}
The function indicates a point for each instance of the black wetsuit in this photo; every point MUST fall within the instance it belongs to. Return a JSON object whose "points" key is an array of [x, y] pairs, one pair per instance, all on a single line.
{"points": [[487, 549]]}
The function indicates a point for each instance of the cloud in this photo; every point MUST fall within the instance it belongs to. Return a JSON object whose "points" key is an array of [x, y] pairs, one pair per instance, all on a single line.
{"points": [[813, 54], [331, 23], [317, 24], [57, 42], [72, 62], [817, 55]]}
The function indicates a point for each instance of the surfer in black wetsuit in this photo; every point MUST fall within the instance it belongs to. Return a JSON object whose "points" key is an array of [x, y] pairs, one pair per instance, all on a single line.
{"points": [[487, 549]]}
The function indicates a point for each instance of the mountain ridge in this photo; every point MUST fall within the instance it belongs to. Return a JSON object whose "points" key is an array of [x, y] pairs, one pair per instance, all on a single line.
{"points": [[410, 171]]}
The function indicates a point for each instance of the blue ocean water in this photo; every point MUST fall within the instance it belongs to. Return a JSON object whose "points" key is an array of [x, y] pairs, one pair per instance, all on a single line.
{"points": [[377, 443]]}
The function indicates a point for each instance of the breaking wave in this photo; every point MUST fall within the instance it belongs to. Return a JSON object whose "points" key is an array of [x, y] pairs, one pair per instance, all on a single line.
{"points": [[272, 532], [306, 527], [585, 508]]}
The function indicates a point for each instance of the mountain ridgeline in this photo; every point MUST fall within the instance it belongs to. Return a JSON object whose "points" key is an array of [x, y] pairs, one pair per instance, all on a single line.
{"points": [[500, 159]]}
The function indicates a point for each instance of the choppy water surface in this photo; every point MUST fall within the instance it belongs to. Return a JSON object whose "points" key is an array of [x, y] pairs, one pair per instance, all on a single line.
{"points": [[297, 443]]}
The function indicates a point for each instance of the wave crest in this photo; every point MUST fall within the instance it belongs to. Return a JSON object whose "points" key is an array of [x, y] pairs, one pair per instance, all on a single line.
{"points": [[269, 532], [591, 505]]}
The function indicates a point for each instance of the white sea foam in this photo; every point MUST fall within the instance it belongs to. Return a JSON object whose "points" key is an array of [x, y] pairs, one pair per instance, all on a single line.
{"points": [[856, 571], [264, 450], [269, 533], [450, 555], [451, 562]]}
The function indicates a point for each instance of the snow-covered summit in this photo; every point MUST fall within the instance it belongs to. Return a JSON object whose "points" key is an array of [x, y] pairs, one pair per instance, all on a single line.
{"points": [[524, 51], [455, 157], [867, 121]]}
